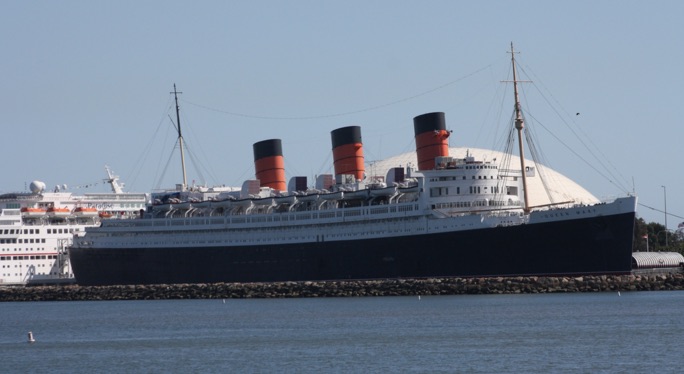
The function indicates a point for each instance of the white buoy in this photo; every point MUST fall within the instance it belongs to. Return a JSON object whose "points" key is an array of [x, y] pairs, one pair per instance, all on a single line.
{"points": [[224, 301], [30, 337], [618, 293], [418, 297]]}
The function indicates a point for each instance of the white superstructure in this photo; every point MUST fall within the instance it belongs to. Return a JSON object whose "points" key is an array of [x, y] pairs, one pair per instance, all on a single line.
{"points": [[37, 226], [459, 195]]}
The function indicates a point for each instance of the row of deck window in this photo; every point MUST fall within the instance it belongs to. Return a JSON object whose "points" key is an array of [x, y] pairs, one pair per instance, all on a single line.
{"points": [[36, 231], [444, 191], [27, 257]]}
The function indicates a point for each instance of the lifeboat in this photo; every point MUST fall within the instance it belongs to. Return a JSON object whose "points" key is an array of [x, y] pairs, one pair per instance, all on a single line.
{"points": [[308, 196], [164, 207], [58, 212], [338, 195], [85, 212], [263, 201], [183, 205], [202, 204], [225, 204], [385, 191], [356, 195], [32, 212], [411, 189], [288, 199], [245, 203], [105, 215]]}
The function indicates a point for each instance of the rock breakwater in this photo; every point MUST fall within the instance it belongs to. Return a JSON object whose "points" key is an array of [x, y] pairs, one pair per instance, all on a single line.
{"points": [[356, 288]]}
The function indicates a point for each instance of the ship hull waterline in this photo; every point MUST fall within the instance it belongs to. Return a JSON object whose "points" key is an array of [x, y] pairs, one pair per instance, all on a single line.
{"points": [[597, 245]]}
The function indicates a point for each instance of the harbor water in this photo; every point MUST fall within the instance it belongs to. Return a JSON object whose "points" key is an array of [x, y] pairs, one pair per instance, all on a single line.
{"points": [[605, 332]]}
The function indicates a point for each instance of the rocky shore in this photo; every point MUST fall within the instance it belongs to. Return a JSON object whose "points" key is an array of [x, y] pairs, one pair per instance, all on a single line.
{"points": [[389, 287]]}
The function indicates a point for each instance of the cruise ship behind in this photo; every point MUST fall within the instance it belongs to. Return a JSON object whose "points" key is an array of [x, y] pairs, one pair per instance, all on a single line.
{"points": [[37, 226]]}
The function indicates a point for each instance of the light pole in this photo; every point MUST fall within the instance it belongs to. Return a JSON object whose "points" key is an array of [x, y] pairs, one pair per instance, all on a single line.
{"points": [[665, 201]]}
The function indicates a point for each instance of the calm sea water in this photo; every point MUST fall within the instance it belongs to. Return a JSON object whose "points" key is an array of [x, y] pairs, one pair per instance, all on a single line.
{"points": [[593, 332]]}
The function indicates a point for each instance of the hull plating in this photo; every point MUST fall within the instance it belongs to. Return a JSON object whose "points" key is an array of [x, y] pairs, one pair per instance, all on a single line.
{"points": [[599, 245]]}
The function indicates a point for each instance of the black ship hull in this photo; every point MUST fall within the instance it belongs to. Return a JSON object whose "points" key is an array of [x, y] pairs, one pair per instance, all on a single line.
{"points": [[597, 245]]}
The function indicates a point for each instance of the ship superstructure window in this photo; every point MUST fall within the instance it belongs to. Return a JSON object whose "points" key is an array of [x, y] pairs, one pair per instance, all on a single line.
{"points": [[475, 189]]}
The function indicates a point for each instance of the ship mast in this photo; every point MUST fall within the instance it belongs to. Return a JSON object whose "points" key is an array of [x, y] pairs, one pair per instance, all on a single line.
{"points": [[180, 137], [519, 125]]}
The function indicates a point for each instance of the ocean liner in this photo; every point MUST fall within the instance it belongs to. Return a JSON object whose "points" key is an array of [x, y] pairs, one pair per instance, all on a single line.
{"points": [[445, 216], [37, 226]]}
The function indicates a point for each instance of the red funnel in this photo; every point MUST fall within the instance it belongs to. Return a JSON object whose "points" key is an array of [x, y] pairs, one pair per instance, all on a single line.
{"points": [[348, 151], [269, 164], [431, 139]]}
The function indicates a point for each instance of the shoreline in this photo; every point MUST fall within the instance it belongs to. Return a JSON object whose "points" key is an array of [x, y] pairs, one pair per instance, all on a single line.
{"points": [[351, 288]]}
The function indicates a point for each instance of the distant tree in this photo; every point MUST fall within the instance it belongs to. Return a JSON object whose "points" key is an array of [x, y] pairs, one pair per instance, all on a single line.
{"points": [[659, 239], [641, 236]]}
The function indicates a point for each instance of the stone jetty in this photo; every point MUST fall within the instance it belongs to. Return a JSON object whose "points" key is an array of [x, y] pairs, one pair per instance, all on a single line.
{"points": [[355, 288]]}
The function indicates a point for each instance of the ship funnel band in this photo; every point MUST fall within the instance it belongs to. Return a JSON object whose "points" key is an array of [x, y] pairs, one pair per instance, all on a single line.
{"points": [[431, 139], [346, 135], [429, 122], [267, 148], [269, 164], [348, 151]]}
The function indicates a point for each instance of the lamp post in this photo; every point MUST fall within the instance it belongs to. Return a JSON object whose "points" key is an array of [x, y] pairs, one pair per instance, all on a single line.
{"points": [[657, 237], [665, 201]]}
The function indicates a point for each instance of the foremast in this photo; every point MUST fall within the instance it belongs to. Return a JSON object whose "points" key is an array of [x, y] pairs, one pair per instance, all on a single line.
{"points": [[180, 137], [519, 125]]}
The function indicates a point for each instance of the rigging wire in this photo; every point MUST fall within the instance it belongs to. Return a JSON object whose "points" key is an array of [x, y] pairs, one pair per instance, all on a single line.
{"points": [[166, 167], [601, 159], [194, 159], [578, 155], [138, 165], [343, 114], [660, 211]]}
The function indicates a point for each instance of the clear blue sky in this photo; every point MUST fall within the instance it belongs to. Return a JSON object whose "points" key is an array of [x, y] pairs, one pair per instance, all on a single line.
{"points": [[86, 83]]}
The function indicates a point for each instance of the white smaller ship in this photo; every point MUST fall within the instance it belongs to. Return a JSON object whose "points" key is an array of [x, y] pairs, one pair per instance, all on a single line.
{"points": [[37, 226]]}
